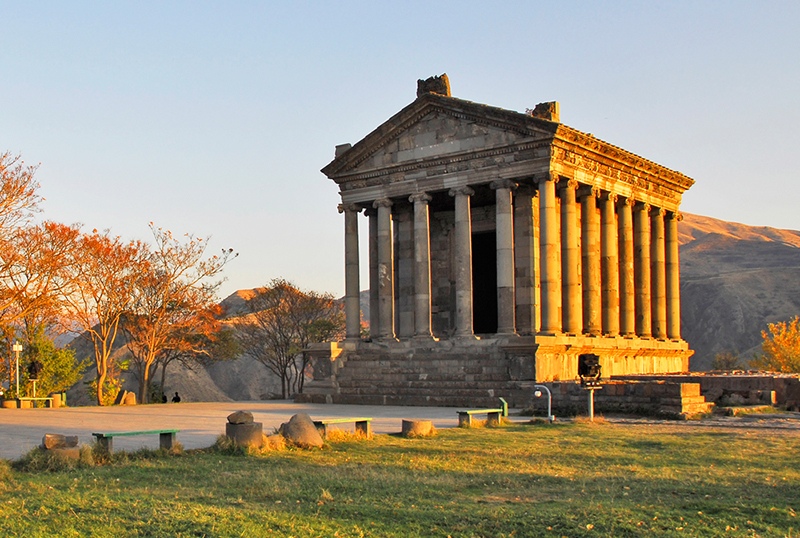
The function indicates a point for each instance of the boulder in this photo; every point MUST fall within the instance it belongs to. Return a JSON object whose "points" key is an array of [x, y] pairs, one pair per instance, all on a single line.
{"points": [[240, 417], [51, 441], [248, 434], [300, 431]]}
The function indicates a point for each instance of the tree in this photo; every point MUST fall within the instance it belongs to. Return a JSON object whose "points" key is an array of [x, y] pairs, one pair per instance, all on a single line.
{"points": [[34, 272], [282, 321], [18, 197], [726, 360], [175, 285], [60, 369], [103, 271], [780, 347]]}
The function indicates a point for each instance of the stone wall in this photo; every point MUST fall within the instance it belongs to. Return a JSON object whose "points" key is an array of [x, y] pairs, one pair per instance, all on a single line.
{"points": [[652, 398]]}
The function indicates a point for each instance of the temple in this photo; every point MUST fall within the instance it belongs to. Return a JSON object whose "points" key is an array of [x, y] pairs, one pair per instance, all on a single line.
{"points": [[502, 245]]}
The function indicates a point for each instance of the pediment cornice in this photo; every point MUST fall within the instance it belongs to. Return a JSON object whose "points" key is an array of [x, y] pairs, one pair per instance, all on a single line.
{"points": [[427, 104], [603, 154]]}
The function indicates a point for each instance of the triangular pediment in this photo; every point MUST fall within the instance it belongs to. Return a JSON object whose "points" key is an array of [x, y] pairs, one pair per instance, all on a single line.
{"points": [[437, 127]]}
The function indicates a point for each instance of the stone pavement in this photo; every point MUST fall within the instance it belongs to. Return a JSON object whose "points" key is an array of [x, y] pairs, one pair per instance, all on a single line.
{"points": [[199, 423]]}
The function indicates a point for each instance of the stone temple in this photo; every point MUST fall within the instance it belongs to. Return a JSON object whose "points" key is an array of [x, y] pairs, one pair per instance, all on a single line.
{"points": [[502, 245]]}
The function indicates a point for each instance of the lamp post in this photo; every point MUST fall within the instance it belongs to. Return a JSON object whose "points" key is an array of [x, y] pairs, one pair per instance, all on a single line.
{"points": [[16, 348], [538, 394]]}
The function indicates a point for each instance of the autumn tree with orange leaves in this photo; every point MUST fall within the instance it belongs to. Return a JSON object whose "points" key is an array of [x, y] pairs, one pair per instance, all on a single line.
{"points": [[780, 347], [172, 296], [103, 271]]}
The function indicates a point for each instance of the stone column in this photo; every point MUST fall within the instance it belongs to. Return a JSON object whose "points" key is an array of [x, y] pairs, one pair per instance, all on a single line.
{"points": [[658, 274], [641, 265], [673, 277], [463, 260], [627, 292], [422, 265], [548, 260], [352, 307], [385, 269], [525, 259], [590, 257], [609, 246], [571, 311], [374, 303], [504, 230]]}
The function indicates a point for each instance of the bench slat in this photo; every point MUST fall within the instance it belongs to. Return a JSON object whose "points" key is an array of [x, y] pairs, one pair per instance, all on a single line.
{"points": [[146, 432], [479, 411], [342, 420]]}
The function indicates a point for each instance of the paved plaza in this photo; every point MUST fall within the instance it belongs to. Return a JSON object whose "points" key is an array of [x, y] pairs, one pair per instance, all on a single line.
{"points": [[199, 423]]}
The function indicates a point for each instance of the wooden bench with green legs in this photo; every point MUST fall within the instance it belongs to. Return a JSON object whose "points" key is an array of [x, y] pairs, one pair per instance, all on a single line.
{"points": [[166, 438], [362, 425], [492, 415]]}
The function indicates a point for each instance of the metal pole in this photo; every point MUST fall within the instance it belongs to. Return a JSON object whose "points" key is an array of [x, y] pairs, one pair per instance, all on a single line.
{"points": [[17, 347], [550, 416]]}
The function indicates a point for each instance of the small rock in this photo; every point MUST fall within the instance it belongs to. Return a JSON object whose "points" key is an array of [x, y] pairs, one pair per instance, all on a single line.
{"points": [[301, 431], [240, 417], [51, 441]]}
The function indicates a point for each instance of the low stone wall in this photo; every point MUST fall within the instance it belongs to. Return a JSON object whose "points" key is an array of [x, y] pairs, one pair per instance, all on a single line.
{"points": [[750, 387], [652, 398]]}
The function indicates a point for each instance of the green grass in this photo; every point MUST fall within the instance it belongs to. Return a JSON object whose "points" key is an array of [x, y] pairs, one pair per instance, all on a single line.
{"points": [[543, 480]]}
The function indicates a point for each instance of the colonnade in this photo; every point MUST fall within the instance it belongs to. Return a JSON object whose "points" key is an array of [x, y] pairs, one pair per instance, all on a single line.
{"points": [[612, 272]]}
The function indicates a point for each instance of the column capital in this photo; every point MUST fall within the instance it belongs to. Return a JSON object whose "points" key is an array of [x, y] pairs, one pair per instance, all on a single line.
{"points": [[610, 196], [627, 200], [420, 197], [350, 208], [465, 191], [370, 211], [568, 184], [642, 206], [589, 191], [674, 215], [382, 202], [546, 177], [503, 184], [657, 211]]}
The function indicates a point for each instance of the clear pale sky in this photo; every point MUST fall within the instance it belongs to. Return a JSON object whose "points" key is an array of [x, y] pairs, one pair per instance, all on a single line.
{"points": [[215, 118]]}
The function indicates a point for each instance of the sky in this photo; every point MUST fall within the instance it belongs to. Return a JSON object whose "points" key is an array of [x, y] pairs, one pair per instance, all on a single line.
{"points": [[214, 118]]}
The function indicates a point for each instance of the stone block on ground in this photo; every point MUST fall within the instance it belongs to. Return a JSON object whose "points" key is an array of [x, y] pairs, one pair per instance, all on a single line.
{"points": [[125, 397], [240, 417], [67, 453], [301, 431], [417, 428], [249, 434], [51, 441]]}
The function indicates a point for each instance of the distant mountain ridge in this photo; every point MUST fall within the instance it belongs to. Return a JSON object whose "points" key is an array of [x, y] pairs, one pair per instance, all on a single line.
{"points": [[735, 279]]}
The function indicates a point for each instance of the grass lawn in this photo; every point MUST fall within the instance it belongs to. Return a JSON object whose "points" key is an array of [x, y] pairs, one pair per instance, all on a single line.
{"points": [[543, 480]]}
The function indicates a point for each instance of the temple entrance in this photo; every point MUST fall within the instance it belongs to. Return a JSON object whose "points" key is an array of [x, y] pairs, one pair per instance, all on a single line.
{"points": [[484, 282]]}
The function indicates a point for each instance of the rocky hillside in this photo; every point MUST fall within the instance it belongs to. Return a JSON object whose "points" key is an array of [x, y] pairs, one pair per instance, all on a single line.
{"points": [[734, 280]]}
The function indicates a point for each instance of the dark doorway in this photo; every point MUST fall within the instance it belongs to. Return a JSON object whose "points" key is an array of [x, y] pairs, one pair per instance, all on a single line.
{"points": [[484, 282]]}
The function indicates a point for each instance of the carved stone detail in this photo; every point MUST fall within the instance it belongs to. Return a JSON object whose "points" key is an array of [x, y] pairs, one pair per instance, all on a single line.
{"points": [[439, 85]]}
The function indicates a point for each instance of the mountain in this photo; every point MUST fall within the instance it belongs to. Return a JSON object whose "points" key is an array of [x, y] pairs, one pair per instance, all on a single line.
{"points": [[734, 280]]}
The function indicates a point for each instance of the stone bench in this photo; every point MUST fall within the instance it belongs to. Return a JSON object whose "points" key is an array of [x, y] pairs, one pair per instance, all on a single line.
{"points": [[492, 415], [362, 425], [166, 438]]}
